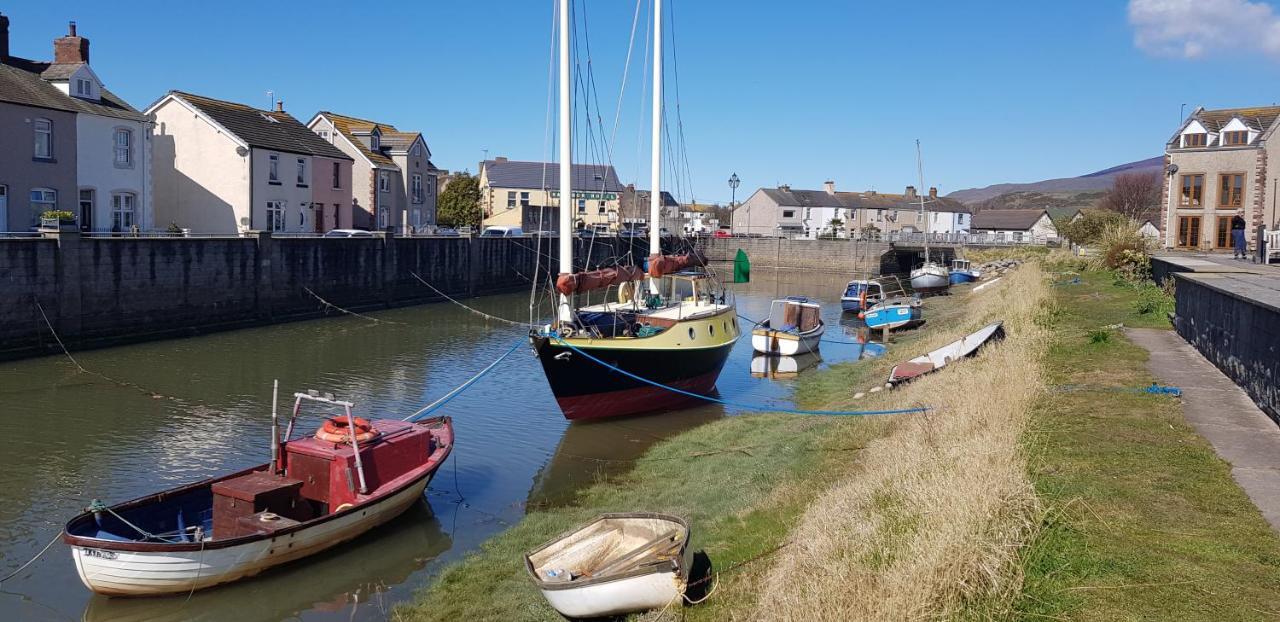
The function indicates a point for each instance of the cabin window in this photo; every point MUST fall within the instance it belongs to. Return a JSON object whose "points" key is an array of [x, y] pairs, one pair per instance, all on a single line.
{"points": [[692, 335], [1235, 138], [1194, 140], [1231, 190], [711, 329], [1192, 190]]}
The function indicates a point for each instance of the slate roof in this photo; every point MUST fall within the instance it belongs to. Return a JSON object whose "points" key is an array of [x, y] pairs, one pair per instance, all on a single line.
{"points": [[60, 71], [390, 136], [21, 83], [538, 175], [1007, 219], [256, 127], [860, 200], [802, 198], [1259, 118]]}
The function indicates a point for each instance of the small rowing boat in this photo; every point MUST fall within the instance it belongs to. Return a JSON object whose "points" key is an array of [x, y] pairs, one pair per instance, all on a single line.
{"points": [[614, 564], [794, 326], [318, 491], [895, 313], [937, 359]]}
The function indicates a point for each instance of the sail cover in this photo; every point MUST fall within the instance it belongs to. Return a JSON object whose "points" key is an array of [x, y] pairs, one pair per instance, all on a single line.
{"points": [[670, 264], [579, 282]]}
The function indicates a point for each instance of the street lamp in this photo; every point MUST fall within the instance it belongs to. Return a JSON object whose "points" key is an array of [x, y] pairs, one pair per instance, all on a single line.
{"points": [[733, 187]]}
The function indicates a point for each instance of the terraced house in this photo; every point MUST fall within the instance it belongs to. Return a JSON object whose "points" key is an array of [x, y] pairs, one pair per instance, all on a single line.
{"points": [[1216, 165], [396, 185], [810, 214], [527, 195], [71, 144]]}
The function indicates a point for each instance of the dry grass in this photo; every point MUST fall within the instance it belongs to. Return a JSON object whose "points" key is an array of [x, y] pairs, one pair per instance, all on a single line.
{"points": [[930, 521]]}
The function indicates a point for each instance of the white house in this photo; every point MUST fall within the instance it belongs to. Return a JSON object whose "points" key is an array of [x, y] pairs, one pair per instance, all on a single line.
{"points": [[1015, 225], [223, 167]]}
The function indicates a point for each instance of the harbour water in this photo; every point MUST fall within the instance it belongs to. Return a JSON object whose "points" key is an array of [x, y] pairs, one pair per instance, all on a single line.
{"points": [[152, 416]]}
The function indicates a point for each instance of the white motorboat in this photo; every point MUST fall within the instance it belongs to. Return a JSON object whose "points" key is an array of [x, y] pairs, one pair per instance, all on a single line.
{"points": [[794, 326], [937, 359], [614, 564], [930, 277]]}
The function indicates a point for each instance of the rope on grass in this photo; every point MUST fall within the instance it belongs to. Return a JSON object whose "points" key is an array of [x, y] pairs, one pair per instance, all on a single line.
{"points": [[1154, 389]]}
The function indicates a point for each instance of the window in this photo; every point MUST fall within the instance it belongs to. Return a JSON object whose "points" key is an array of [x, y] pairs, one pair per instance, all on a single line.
{"points": [[1188, 231], [384, 181], [417, 151], [1194, 140], [1230, 190], [524, 199], [273, 168], [324, 134], [275, 215], [86, 209], [83, 87], [1192, 190], [302, 172], [44, 139], [337, 175], [582, 206], [375, 142], [600, 207], [1222, 239], [122, 212], [788, 213], [42, 200], [416, 186], [511, 199], [124, 147], [1235, 138]]}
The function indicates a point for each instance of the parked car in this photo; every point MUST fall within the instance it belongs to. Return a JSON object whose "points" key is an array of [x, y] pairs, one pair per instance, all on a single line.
{"points": [[447, 231], [632, 233], [501, 232], [721, 233], [348, 233]]}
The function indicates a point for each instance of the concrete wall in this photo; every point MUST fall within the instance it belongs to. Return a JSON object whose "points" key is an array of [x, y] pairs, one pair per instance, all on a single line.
{"points": [[105, 291], [19, 173]]}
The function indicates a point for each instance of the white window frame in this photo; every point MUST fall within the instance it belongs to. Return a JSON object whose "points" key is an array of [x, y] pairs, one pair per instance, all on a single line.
{"points": [[384, 181], [84, 88], [275, 216], [273, 167], [416, 185], [582, 206], [375, 141], [511, 199], [123, 152], [48, 197], [324, 134], [302, 172], [43, 137], [524, 199], [124, 211]]}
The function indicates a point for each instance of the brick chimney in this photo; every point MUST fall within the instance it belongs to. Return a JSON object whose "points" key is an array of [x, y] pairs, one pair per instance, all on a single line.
{"points": [[784, 187], [71, 48], [829, 186], [500, 158], [933, 192], [4, 37], [910, 192], [279, 105]]}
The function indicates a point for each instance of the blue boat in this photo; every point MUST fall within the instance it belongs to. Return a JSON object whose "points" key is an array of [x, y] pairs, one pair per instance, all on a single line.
{"points": [[895, 313], [860, 292], [962, 273]]}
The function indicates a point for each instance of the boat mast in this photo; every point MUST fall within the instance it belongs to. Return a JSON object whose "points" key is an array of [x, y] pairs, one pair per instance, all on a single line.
{"points": [[566, 164], [924, 212], [655, 179]]}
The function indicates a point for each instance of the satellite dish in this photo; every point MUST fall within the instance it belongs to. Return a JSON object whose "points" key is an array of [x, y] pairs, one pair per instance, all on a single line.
{"points": [[242, 152], [1171, 169]]}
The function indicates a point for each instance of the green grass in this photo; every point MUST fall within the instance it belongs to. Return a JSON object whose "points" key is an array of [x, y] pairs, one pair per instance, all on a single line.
{"points": [[1144, 520]]}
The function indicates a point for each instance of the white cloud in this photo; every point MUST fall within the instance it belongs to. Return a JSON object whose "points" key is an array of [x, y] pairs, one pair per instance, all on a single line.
{"points": [[1195, 28]]}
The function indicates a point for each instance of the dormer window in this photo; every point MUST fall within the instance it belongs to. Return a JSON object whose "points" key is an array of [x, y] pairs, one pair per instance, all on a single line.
{"points": [[375, 141], [1194, 140], [83, 88], [1235, 138]]}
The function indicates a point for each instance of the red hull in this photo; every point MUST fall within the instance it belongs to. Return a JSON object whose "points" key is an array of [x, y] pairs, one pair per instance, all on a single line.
{"points": [[635, 401]]}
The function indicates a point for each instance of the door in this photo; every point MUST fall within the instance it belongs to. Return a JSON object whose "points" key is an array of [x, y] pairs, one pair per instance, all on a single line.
{"points": [[1188, 231], [86, 210], [4, 208], [1222, 235]]}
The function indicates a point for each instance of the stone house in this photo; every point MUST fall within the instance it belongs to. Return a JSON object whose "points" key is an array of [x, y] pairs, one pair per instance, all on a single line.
{"points": [[1015, 225], [527, 195], [1216, 166], [809, 214], [90, 150], [396, 185], [224, 167]]}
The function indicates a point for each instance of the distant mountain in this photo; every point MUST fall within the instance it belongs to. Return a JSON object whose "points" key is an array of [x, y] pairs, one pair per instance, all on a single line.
{"points": [[1093, 182]]}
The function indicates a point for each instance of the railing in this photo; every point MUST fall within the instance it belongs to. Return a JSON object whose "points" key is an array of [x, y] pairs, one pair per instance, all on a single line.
{"points": [[893, 237]]}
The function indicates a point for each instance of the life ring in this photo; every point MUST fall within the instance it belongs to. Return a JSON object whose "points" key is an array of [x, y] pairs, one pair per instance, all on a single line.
{"points": [[336, 430]]}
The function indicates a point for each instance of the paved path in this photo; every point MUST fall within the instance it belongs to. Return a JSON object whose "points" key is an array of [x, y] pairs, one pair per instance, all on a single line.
{"points": [[1222, 413]]}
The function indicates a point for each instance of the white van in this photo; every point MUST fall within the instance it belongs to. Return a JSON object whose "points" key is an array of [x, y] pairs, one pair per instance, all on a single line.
{"points": [[502, 232]]}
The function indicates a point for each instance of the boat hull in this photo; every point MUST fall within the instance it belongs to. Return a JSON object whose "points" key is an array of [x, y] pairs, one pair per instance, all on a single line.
{"points": [[959, 277], [929, 282], [935, 360], [782, 343], [892, 317]]}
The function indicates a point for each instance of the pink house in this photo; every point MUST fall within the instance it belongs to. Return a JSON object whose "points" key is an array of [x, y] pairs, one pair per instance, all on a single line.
{"points": [[331, 194]]}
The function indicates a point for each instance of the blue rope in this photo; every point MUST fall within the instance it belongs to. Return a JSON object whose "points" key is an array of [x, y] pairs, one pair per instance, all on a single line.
{"points": [[741, 405], [1154, 389], [823, 340], [436, 405]]}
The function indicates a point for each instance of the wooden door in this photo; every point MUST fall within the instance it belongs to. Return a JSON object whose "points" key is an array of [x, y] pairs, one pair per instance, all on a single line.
{"points": [[1188, 231], [1222, 233]]}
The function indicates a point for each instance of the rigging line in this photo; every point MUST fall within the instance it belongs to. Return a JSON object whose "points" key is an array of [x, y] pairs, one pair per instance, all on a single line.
{"points": [[736, 404], [433, 406], [622, 90], [56, 537], [330, 305], [675, 78], [471, 309], [57, 338]]}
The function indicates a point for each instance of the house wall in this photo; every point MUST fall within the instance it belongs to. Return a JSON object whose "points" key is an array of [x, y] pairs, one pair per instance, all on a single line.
{"points": [[759, 214], [392, 200], [494, 202], [420, 212], [363, 182], [295, 197], [331, 206], [19, 173], [1043, 229], [97, 170], [199, 181], [1211, 162]]}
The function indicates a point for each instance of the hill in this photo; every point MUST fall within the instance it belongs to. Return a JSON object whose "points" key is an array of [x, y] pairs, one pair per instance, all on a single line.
{"points": [[1091, 183]]}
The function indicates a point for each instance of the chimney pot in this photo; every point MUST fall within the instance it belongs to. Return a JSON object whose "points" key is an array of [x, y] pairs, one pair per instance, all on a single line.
{"points": [[71, 29], [500, 159], [933, 192], [279, 105], [911, 192], [71, 49]]}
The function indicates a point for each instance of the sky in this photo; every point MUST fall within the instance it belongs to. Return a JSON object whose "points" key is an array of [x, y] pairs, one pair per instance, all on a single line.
{"points": [[780, 93]]}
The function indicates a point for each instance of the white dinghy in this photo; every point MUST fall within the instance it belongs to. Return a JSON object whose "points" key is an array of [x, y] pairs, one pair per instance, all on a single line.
{"points": [[937, 359], [794, 327], [614, 564]]}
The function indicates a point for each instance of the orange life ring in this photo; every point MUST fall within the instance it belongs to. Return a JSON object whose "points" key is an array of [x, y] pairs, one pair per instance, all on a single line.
{"points": [[336, 430]]}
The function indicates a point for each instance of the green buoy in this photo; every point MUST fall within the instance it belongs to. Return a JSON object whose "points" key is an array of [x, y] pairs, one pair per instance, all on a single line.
{"points": [[741, 268]]}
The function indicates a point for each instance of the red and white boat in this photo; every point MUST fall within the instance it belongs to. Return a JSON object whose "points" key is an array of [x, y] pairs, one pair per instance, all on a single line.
{"points": [[318, 491]]}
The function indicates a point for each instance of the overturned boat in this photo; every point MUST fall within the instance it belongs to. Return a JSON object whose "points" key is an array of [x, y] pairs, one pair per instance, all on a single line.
{"points": [[318, 491], [937, 359], [615, 564], [794, 326]]}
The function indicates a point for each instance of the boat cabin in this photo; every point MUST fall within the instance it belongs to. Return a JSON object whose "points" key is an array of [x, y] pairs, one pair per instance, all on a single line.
{"points": [[959, 264], [794, 314], [638, 312]]}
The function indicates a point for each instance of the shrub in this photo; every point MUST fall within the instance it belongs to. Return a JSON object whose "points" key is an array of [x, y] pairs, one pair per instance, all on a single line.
{"points": [[1124, 249], [1100, 335], [61, 215], [1091, 225], [1153, 299]]}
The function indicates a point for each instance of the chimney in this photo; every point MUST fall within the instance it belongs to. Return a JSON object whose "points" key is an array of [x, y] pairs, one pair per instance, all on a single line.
{"points": [[784, 187], [911, 192], [500, 159], [70, 49], [4, 37], [933, 192], [279, 105], [829, 186]]}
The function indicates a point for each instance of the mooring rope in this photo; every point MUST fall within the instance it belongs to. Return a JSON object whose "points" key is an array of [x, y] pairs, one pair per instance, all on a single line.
{"points": [[347, 311], [471, 309], [734, 403], [46, 548], [433, 406], [1154, 389]]}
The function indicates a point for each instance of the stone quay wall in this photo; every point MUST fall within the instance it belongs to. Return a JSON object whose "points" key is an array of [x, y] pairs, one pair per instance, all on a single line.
{"points": [[826, 255]]}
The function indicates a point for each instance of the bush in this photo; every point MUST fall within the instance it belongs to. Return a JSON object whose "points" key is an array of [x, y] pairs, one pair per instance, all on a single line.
{"points": [[1091, 226], [1124, 249], [61, 215], [1153, 299]]}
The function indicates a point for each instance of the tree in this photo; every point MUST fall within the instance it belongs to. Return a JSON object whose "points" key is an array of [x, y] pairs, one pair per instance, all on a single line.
{"points": [[1135, 195], [459, 204]]}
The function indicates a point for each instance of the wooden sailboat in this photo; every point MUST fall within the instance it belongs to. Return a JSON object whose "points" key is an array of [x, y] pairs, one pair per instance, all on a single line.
{"points": [[673, 324], [930, 277]]}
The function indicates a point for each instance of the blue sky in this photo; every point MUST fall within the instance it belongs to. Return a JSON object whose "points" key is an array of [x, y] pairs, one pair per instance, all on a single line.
{"points": [[796, 92]]}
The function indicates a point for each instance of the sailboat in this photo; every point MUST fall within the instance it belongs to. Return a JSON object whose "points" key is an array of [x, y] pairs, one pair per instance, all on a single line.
{"points": [[931, 277], [664, 338]]}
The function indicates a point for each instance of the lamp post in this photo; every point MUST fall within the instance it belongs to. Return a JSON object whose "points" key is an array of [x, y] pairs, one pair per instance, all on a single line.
{"points": [[733, 188]]}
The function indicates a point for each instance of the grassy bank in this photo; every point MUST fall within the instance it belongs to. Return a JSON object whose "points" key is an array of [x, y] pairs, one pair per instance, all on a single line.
{"points": [[1142, 520], [750, 484]]}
